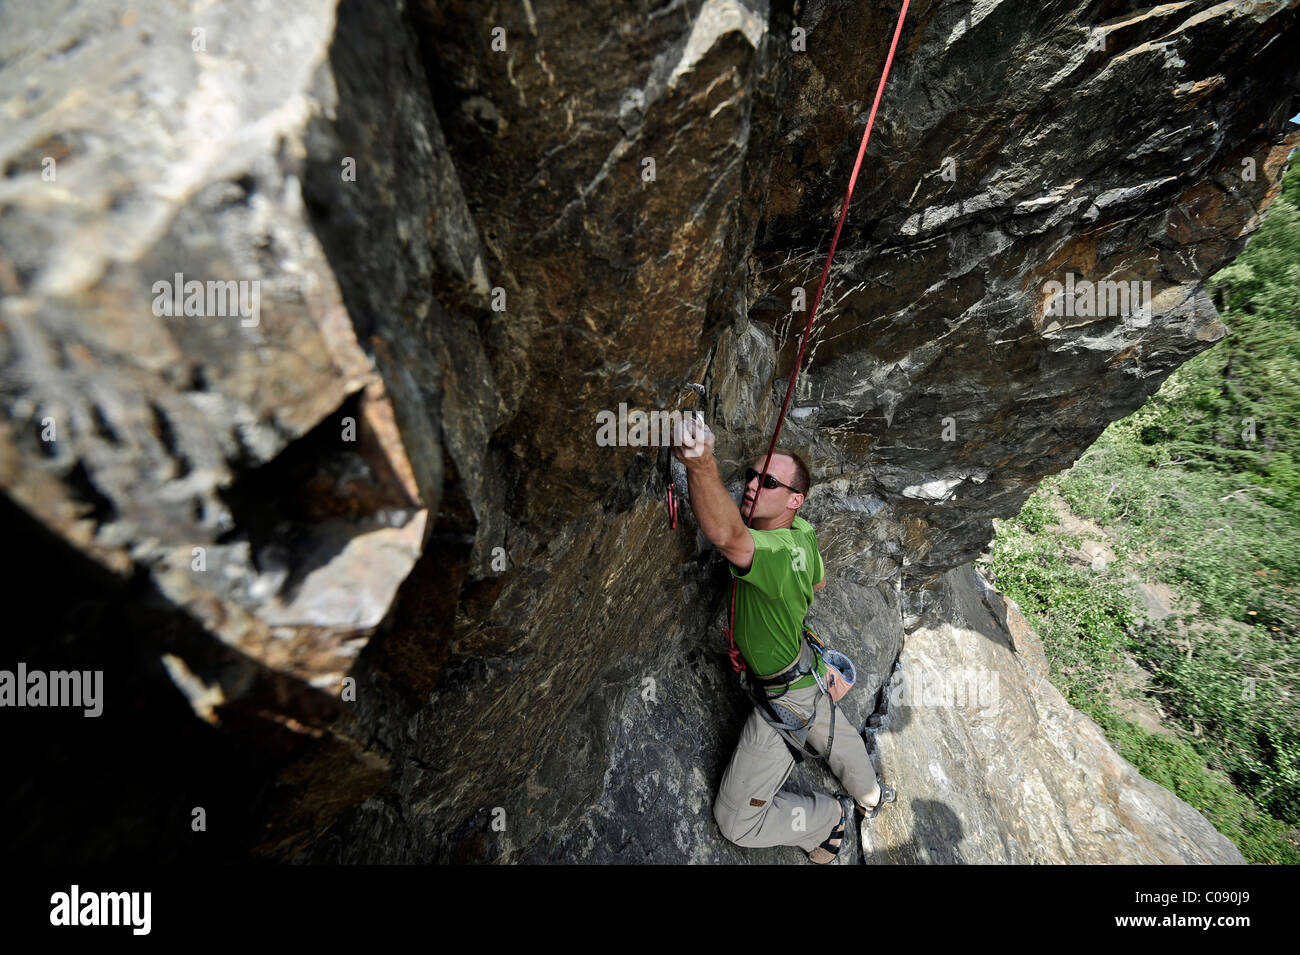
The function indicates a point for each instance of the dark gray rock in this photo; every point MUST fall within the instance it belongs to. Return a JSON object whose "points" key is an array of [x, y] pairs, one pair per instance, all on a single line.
{"points": [[462, 257]]}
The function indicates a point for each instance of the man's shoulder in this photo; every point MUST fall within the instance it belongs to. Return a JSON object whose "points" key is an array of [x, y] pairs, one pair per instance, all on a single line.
{"points": [[798, 527], [803, 528], [797, 535]]}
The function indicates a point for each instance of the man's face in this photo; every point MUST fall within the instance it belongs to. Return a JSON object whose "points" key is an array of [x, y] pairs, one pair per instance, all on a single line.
{"points": [[772, 502]]}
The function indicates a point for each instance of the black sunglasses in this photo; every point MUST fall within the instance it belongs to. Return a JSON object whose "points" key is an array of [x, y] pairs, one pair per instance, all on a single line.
{"points": [[769, 482]]}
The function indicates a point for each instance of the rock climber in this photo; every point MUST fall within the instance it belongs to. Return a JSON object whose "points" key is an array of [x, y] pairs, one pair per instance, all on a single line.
{"points": [[776, 561]]}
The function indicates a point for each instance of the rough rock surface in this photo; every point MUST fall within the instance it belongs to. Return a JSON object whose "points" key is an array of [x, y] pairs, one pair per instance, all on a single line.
{"points": [[358, 521], [992, 765]]}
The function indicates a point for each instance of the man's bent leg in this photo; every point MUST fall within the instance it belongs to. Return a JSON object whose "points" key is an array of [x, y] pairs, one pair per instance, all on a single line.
{"points": [[849, 760], [751, 808]]}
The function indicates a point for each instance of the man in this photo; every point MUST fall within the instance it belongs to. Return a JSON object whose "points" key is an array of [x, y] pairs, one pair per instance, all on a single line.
{"points": [[776, 561]]}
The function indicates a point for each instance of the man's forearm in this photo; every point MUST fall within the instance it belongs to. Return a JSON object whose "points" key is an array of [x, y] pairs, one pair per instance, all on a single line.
{"points": [[715, 511]]}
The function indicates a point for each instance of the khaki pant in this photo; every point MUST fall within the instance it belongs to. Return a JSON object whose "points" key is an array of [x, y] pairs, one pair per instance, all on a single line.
{"points": [[753, 811]]}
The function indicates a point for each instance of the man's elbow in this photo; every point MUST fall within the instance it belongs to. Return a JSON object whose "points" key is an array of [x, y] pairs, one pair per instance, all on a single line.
{"points": [[820, 585]]}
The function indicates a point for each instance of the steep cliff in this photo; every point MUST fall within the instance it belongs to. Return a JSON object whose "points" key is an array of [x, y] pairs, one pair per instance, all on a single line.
{"points": [[353, 511]]}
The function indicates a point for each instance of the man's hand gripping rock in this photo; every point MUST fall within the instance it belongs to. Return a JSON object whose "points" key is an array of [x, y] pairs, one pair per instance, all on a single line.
{"points": [[693, 441]]}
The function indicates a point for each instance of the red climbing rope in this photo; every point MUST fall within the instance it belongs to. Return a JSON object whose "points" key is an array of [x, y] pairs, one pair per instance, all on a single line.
{"points": [[737, 661]]}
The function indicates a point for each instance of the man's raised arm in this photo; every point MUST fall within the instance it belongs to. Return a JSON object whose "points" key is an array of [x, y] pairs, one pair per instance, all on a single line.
{"points": [[716, 512]]}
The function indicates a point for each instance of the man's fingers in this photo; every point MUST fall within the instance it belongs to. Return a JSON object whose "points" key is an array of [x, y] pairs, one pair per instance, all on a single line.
{"points": [[691, 436], [689, 430]]}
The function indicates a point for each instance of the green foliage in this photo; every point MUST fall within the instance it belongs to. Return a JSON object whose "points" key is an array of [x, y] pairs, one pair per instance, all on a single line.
{"points": [[1200, 489], [1087, 621], [1174, 764], [1233, 687]]}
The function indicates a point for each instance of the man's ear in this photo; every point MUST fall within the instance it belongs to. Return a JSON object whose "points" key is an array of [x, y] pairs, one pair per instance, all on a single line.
{"points": [[800, 504]]}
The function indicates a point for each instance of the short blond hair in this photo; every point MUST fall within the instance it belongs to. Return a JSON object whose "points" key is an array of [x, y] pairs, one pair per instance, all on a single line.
{"points": [[803, 477]]}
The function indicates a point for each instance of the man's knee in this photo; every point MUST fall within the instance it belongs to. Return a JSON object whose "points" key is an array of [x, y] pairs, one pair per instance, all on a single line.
{"points": [[736, 827]]}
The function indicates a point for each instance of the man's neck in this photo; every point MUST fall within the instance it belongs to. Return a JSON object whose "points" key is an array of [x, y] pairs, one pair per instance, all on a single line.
{"points": [[775, 523]]}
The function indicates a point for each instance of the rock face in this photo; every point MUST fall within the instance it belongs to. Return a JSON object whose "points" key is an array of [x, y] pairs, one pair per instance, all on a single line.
{"points": [[992, 765], [306, 330]]}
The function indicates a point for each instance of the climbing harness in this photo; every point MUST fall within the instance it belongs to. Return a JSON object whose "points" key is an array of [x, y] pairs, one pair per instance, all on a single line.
{"points": [[792, 728], [737, 661]]}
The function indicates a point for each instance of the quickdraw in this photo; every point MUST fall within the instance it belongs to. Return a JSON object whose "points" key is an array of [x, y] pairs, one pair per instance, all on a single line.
{"points": [[672, 495], [670, 482]]}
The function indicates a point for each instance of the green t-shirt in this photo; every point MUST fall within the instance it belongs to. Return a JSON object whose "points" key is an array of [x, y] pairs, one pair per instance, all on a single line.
{"points": [[774, 597]]}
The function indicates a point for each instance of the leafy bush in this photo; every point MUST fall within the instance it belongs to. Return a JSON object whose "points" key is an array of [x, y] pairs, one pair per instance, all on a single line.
{"points": [[1200, 488]]}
